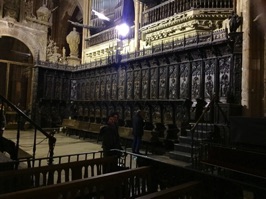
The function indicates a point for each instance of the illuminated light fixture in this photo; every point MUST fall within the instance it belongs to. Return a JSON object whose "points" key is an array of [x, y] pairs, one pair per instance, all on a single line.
{"points": [[122, 29]]}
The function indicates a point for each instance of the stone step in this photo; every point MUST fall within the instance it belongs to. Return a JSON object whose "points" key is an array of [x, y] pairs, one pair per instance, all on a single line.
{"points": [[184, 147], [181, 156], [188, 140]]}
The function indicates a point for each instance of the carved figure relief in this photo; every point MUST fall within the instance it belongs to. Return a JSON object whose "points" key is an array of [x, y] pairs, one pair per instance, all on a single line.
{"points": [[153, 83], [49, 86], [114, 86], [11, 8], [97, 90], [209, 78], [28, 9], [65, 92], [209, 86], [156, 115], [121, 85], [172, 83], [108, 88], [162, 85], [83, 90], [224, 83], [58, 86], [144, 84], [87, 90], [92, 90], [73, 92], [168, 115], [172, 88], [129, 85], [195, 87], [184, 81], [196, 68], [136, 84], [102, 94], [43, 13]]}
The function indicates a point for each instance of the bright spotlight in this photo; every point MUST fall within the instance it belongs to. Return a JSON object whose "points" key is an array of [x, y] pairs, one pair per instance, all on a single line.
{"points": [[122, 29]]}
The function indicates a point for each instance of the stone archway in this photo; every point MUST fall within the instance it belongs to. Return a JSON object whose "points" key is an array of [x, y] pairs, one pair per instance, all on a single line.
{"points": [[34, 38]]}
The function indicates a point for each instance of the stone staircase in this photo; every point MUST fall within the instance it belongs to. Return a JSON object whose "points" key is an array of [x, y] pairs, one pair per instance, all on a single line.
{"points": [[182, 150]]}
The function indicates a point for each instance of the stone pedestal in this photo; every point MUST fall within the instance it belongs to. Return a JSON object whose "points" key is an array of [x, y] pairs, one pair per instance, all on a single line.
{"points": [[73, 61]]}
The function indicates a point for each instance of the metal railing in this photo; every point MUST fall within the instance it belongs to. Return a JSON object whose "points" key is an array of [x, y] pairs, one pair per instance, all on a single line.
{"points": [[21, 115], [201, 128]]}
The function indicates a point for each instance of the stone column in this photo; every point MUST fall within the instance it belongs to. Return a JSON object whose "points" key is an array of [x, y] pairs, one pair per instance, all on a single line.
{"points": [[137, 23], [246, 57], [253, 63]]}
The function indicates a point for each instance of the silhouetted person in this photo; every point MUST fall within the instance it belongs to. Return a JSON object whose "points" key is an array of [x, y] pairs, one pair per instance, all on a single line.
{"points": [[2, 120], [138, 130]]}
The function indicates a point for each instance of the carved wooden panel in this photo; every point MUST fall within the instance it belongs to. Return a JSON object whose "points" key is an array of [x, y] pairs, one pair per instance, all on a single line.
{"points": [[129, 85], [108, 87], [154, 83], [97, 89], [184, 81], [97, 111], [58, 88], [224, 77], [162, 82], [156, 114], [209, 78], [136, 85], [114, 86], [65, 89], [172, 82], [49, 88], [145, 84], [83, 89], [196, 79], [78, 88], [104, 113], [73, 90], [87, 90], [92, 89], [121, 86], [102, 87], [168, 114]]}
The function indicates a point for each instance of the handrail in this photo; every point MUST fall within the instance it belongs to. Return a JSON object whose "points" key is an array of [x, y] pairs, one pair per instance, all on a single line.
{"points": [[51, 138], [192, 130]]}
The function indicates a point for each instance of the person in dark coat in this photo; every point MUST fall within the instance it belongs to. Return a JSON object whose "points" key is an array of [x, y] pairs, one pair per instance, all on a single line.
{"points": [[110, 138], [2, 120], [138, 123]]}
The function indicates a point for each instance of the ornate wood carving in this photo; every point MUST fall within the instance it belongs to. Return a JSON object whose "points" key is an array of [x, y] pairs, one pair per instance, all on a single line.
{"points": [[209, 78]]}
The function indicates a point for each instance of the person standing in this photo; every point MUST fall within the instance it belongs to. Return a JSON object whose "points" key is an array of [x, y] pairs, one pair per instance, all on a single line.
{"points": [[115, 115], [110, 138], [2, 120], [138, 130]]}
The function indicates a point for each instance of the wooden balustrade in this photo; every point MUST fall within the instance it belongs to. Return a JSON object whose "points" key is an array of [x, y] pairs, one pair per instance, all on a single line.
{"points": [[15, 180], [187, 190], [122, 184]]}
